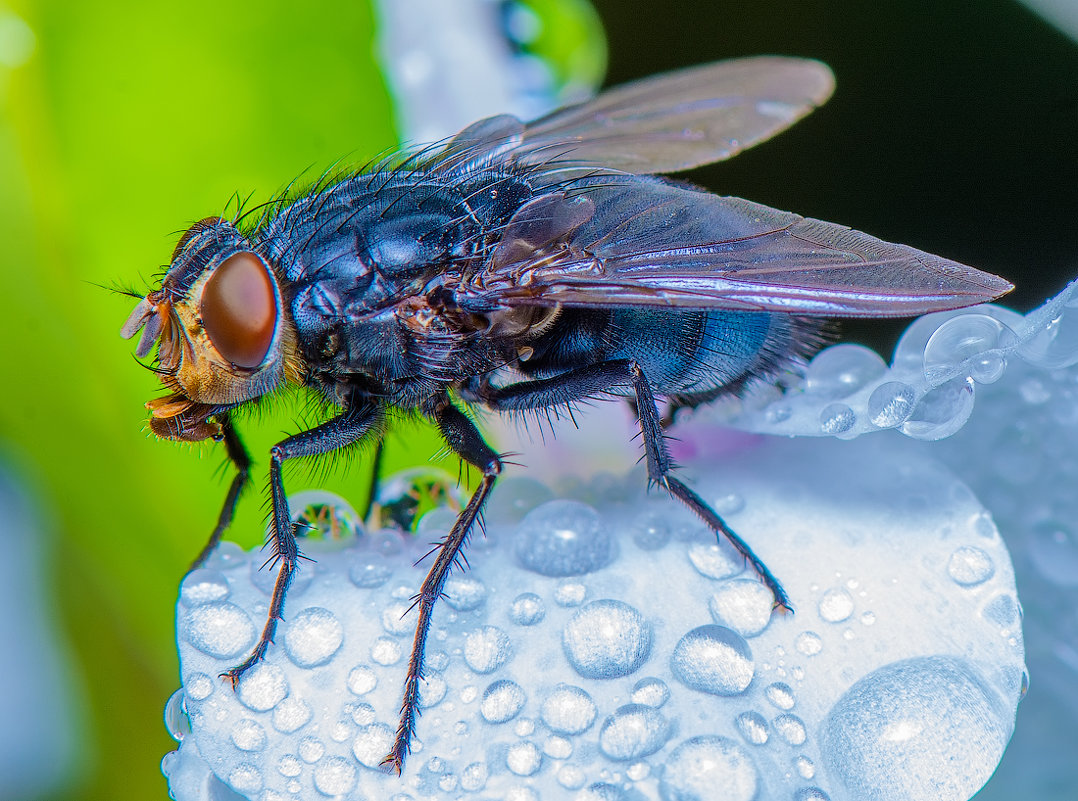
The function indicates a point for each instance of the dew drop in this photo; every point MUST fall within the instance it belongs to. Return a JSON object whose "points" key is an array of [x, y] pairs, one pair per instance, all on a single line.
{"points": [[385, 651], [568, 710], [245, 778], [698, 766], [176, 720], [502, 701], [713, 559], [369, 571], [806, 768], [291, 714], [558, 747], [753, 727], [563, 538], [971, 339], [606, 639], [372, 743], [290, 766], [570, 593], [781, 695], [941, 411], [311, 749], [835, 606], [432, 690], [837, 418], [487, 649], [890, 404], [527, 609], [362, 714], [650, 692], [811, 794], [248, 735], [220, 629], [335, 776], [524, 759], [790, 728], [265, 578], [808, 643], [1054, 346], [713, 659], [632, 732], [474, 777], [262, 687], [313, 637], [919, 728], [650, 532], [841, 370], [464, 593], [970, 566], [199, 686], [361, 680], [203, 586], [743, 605]]}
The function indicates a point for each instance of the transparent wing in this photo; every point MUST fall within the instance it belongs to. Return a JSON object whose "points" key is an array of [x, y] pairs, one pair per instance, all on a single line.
{"points": [[662, 124], [643, 242]]}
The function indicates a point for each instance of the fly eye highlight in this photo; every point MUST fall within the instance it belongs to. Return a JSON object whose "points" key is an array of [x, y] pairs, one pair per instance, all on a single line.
{"points": [[239, 309]]}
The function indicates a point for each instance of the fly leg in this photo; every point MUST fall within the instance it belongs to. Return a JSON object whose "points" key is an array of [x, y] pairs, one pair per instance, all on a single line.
{"points": [[462, 436], [372, 488], [237, 454], [330, 436], [596, 379]]}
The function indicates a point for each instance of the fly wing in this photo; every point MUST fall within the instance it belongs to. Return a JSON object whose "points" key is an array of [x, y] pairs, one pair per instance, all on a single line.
{"points": [[643, 242], [662, 124]]}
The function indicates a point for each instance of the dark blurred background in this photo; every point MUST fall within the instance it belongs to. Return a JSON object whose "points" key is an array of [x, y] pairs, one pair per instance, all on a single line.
{"points": [[953, 129]]}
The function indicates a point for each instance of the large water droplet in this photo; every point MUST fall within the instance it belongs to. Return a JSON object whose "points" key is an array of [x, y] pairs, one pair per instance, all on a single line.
{"points": [[568, 710], [713, 659], [970, 566], [563, 538], [291, 714], [335, 776], [474, 777], [633, 731], [219, 628], [1056, 345], [502, 701], [841, 370], [262, 687], [313, 637], [743, 605], [941, 411], [527, 609], [606, 639], [524, 759], [245, 778], [248, 735], [915, 729], [464, 593], [361, 680], [835, 605], [837, 418], [712, 558], [698, 766], [790, 728], [753, 727], [890, 404], [781, 695], [808, 643], [487, 649], [976, 338], [372, 743], [203, 586], [651, 692], [176, 720]]}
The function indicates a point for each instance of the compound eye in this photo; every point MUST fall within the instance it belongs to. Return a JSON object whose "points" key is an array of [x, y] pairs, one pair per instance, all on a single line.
{"points": [[239, 309]]}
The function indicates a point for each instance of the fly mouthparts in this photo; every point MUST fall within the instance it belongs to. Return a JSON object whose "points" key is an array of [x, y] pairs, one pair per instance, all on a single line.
{"points": [[145, 316]]}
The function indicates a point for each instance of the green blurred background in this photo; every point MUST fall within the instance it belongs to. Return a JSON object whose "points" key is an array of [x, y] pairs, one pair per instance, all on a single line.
{"points": [[953, 129]]}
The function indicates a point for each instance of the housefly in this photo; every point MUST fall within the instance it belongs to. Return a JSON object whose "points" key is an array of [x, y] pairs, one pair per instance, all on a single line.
{"points": [[520, 267]]}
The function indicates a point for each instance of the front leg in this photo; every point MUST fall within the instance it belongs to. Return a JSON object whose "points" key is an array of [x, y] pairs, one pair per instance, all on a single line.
{"points": [[339, 432], [237, 454], [462, 436], [586, 382]]}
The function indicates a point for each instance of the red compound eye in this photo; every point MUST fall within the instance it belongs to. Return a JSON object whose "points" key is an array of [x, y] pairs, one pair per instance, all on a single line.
{"points": [[239, 309]]}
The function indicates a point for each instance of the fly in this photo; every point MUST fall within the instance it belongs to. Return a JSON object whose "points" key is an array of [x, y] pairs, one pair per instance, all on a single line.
{"points": [[521, 267]]}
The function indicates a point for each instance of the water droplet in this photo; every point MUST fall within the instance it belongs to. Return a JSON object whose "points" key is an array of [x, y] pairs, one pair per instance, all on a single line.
{"points": [[369, 571], [713, 659], [372, 743], [523, 759], [248, 735], [487, 649], [203, 586], [245, 778], [570, 593], [1055, 346], [714, 559], [321, 514], [806, 768], [432, 689], [335, 776], [291, 714], [502, 701], [563, 538], [941, 411], [226, 556], [650, 532], [701, 764], [971, 339], [524, 727], [361, 680], [778, 413], [571, 777], [262, 687], [841, 370], [753, 727], [970, 566], [265, 578], [474, 777], [835, 606], [651, 692], [890, 404], [837, 418], [919, 728], [568, 710], [176, 720], [781, 695], [743, 605], [632, 732], [289, 765], [199, 686], [868, 618], [606, 639], [385, 651], [395, 619], [808, 643], [220, 629], [311, 749], [464, 593], [313, 637], [527, 609], [1054, 550], [790, 728], [558, 747], [1003, 611], [811, 794]]}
